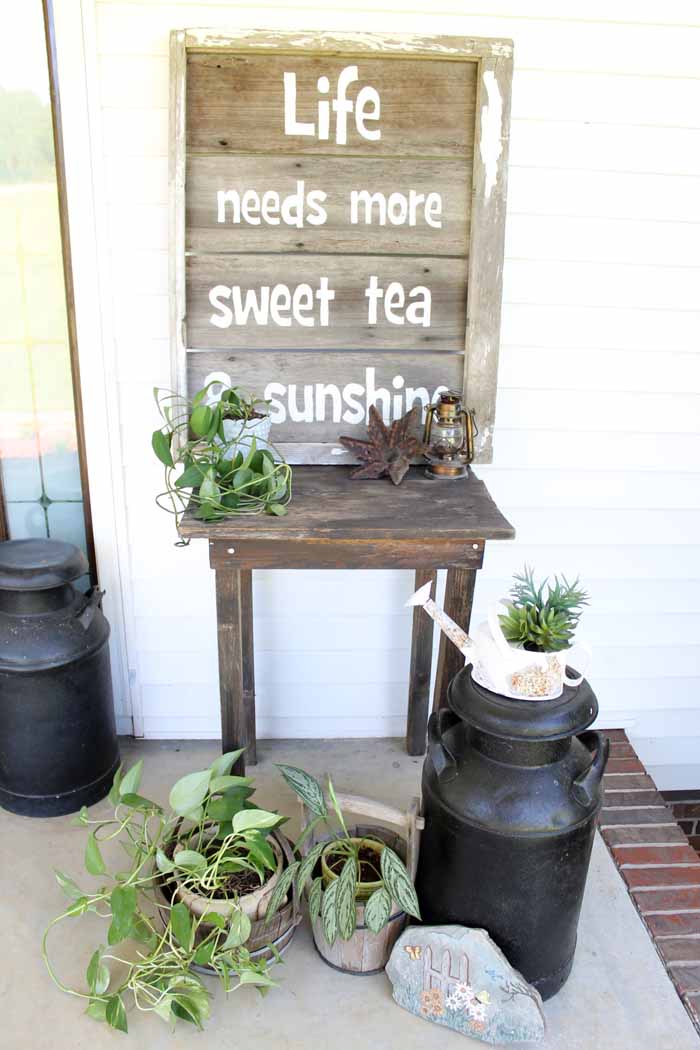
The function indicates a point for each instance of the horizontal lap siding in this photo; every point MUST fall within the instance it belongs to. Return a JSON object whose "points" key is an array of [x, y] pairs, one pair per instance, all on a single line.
{"points": [[597, 442]]}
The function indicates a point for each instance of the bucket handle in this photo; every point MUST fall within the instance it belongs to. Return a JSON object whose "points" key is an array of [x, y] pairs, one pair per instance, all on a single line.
{"points": [[585, 787], [438, 724], [497, 632]]}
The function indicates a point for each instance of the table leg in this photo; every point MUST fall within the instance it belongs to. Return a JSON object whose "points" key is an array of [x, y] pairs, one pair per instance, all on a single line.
{"points": [[421, 662], [459, 595], [248, 664], [230, 638]]}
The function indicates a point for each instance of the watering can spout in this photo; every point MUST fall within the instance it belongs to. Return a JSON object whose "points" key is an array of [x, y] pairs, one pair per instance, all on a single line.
{"points": [[446, 624], [422, 594]]}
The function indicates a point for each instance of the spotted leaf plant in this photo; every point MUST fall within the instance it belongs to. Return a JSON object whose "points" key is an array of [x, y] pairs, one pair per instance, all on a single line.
{"points": [[211, 831], [343, 870]]}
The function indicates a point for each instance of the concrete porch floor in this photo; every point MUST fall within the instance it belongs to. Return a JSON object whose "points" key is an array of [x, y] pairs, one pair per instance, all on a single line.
{"points": [[617, 998]]}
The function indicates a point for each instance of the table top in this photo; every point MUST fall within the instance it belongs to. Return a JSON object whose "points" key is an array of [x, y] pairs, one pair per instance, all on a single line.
{"points": [[326, 504]]}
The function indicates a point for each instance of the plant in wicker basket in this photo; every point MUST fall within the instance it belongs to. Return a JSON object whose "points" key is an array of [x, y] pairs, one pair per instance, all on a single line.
{"points": [[345, 871], [389, 450], [181, 898]]}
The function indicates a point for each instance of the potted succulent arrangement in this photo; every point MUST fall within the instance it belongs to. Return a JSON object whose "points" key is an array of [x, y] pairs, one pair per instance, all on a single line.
{"points": [[358, 887], [193, 894], [524, 651], [229, 466]]}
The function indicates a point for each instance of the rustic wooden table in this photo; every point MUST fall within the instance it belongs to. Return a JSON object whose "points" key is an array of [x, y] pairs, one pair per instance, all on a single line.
{"points": [[335, 523]]}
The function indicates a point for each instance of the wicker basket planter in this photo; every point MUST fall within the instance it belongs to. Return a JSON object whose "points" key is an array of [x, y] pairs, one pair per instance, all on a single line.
{"points": [[367, 953]]}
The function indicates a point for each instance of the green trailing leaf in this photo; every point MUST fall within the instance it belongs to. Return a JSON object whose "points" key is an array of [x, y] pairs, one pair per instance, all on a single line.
{"points": [[226, 807], [209, 489], [114, 790], [315, 898], [190, 999], [223, 765], [278, 509], [97, 1010], [131, 780], [190, 860], [260, 980], [81, 818], [93, 858], [202, 957], [223, 783], [261, 851], [164, 863], [345, 899], [181, 925], [123, 905], [201, 420], [239, 930], [97, 974], [189, 792], [256, 818], [306, 787], [115, 1013], [190, 478], [69, 887], [160, 443], [213, 918], [329, 919], [281, 889], [79, 906], [398, 882], [378, 910], [308, 864], [146, 805]]}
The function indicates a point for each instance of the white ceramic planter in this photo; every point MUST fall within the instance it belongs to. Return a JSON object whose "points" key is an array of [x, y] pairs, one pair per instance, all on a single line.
{"points": [[243, 432], [254, 904]]}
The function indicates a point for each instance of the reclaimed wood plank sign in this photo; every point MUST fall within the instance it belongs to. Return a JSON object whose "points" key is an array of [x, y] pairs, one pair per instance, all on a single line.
{"points": [[337, 221]]}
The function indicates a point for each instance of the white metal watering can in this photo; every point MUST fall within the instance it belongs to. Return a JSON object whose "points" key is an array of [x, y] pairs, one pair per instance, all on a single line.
{"points": [[504, 668]]}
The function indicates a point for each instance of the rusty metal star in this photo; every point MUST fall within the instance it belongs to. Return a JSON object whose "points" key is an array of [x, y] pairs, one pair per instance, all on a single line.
{"points": [[389, 449]]}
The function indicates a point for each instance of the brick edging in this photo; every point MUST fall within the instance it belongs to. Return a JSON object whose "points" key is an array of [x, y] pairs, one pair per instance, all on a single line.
{"points": [[659, 866]]}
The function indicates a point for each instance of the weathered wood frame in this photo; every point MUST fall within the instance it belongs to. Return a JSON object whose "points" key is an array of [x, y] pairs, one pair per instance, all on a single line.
{"points": [[487, 223]]}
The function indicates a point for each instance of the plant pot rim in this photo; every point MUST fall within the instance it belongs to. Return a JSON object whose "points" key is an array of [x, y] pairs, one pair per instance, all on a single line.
{"points": [[365, 888], [253, 904]]}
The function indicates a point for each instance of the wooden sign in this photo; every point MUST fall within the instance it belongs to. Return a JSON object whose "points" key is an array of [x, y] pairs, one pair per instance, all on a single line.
{"points": [[338, 210]]}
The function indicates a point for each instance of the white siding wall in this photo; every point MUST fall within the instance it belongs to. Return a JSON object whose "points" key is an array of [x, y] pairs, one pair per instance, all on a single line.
{"points": [[598, 426]]}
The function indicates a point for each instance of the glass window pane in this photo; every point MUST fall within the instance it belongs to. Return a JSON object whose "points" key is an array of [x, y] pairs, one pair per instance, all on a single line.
{"points": [[38, 443]]}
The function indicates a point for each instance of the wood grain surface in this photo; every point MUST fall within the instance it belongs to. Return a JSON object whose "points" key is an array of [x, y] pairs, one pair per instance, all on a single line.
{"points": [[348, 276], [328, 505], [337, 178], [235, 104]]}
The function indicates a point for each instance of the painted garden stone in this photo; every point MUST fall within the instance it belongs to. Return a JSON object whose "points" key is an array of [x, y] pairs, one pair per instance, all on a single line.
{"points": [[457, 977]]}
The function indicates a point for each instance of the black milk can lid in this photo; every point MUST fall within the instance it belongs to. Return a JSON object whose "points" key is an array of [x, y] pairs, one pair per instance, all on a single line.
{"points": [[39, 565], [533, 720]]}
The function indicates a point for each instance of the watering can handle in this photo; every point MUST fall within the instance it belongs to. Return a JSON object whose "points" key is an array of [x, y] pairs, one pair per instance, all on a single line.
{"points": [[497, 632], [588, 656]]}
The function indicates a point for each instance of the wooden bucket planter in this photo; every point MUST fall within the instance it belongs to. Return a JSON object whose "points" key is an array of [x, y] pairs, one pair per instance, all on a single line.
{"points": [[266, 938], [367, 953]]}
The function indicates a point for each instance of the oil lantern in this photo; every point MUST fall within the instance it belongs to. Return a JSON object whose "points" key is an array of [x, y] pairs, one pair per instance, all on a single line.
{"points": [[448, 438]]}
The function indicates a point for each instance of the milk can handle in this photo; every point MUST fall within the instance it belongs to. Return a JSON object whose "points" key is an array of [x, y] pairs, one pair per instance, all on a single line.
{"points": [[438, 724], [585, 786], [88, 610]]}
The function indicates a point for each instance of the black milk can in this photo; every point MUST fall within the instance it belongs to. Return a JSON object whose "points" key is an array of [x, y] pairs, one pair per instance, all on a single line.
{"points": [[511, 790], [58, 742]]}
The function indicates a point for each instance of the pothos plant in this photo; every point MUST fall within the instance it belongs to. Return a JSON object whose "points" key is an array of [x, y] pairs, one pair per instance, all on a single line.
{"points": [[540, 622], [152, 938], [225, 471], [353, 870]]}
